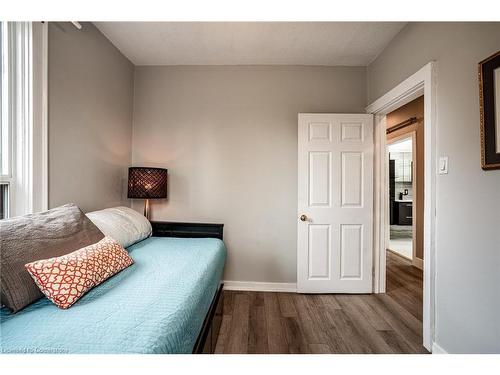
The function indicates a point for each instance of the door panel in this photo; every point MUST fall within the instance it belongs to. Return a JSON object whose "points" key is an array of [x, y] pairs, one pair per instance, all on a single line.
{"points": [[319, 251], [352, 179], [352, 131], [335, 193], [351, 251], [319, 131], [319, 178]]}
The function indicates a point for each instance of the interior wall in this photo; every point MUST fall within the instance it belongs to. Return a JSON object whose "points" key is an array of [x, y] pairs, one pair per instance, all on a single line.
{"points": [[413, 109], [468, 198], [228, 135], [90, 118]]}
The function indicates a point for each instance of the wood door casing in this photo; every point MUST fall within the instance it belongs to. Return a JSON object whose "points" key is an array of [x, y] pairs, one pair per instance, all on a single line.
{"points": [[414, 108]]}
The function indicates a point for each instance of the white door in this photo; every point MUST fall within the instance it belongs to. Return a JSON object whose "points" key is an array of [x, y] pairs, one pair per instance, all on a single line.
{"points": [[335, 208]]}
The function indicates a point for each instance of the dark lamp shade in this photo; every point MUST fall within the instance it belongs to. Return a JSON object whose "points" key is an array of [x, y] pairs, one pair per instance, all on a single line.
{"points": [[147, 183]]}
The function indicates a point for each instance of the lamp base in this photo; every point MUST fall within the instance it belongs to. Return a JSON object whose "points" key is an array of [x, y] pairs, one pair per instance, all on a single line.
{"points": [[147, 211]]}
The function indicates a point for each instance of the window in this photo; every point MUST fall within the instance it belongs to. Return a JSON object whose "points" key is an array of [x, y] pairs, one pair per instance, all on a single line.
{"points": [[23, 113], [5, 176]]}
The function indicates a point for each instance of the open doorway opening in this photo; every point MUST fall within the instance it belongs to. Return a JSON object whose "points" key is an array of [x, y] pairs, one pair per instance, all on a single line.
{"points": [[422, 82], [401, 196], [405, 182]]}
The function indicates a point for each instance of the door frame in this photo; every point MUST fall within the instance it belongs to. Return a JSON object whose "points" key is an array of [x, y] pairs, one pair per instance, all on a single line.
{"points": [[413, 136], [423, 82]]}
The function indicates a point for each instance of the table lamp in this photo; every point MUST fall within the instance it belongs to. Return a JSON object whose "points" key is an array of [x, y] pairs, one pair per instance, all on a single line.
{"points": [[147, 183]]}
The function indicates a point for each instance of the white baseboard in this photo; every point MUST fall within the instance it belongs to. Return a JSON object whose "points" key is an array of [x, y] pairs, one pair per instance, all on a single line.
{"points": [[417, 262], [259, 286], [436, 349]]}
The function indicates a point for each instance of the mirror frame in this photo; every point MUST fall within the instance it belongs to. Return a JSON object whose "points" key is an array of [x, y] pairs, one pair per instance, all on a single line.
{"points": [[490, 158]]}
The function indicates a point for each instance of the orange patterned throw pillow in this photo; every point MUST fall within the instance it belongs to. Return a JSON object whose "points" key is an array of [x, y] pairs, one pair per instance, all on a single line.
{"points": [[66, 278]]}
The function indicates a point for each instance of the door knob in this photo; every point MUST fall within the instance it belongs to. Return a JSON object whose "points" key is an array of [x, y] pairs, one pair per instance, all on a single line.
{"points": [[303, 217]]}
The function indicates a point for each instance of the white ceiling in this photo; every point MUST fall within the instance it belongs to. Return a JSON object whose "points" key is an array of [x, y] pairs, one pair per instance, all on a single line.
{"points": [[250, 43]]}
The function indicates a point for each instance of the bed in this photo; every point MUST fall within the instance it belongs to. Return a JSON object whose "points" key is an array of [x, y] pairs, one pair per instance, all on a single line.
{"points": [[166, 302]]}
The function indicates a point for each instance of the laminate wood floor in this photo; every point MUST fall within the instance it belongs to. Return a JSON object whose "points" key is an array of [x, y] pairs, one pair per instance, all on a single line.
{"points": [[262, 322]]}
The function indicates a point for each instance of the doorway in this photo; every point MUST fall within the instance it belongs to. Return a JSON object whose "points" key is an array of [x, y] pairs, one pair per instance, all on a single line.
{"points": [[401, 191], [405, 140], [405, 185], [422, 82]]}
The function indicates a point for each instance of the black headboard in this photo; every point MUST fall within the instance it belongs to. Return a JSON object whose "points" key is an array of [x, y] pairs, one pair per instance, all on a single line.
{"points": [[187, 230]]}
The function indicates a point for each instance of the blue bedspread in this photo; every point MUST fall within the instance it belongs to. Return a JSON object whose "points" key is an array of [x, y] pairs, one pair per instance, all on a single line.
{"points": [[157, 305]]}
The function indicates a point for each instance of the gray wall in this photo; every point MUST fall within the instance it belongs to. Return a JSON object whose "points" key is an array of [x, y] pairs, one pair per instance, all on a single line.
{"points": [[90, 118], [468, 198], [228, 135]]}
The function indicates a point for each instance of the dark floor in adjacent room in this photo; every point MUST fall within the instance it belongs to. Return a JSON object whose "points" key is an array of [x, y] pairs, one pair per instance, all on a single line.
{"points": [[261, 322]]}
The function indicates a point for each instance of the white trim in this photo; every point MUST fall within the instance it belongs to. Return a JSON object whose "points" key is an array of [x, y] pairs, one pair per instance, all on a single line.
{"points": [[6, 141], [436, 349], [408, 90], [422, 82], [380, 211], [257, 286], [6, 123], [21, 104]]}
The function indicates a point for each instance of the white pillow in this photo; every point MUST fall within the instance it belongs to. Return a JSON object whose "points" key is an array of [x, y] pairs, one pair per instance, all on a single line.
{"points": [[122, 224]]}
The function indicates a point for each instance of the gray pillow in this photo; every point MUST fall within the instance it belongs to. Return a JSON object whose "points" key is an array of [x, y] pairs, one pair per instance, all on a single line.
{"points": [[25, 239]]}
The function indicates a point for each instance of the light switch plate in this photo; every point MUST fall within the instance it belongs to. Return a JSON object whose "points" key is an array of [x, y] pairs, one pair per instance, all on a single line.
{"points": [[443, 165]]}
